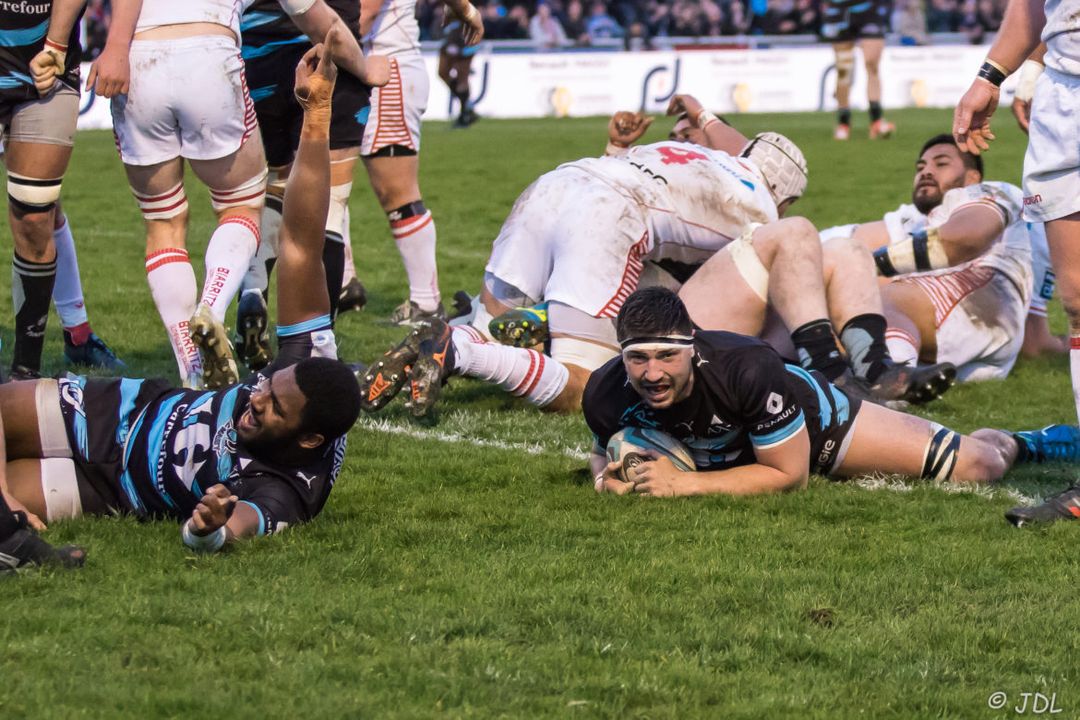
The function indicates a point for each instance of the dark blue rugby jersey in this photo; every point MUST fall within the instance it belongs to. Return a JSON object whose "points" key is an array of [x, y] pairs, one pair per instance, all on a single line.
{"points": [[23, 26], [744, 397], [266, 28], [159, 448]]}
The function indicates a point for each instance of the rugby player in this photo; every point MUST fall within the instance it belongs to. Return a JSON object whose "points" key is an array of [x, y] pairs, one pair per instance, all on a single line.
{"points": [[1051, 165], [246, 460], [391, 149], [455, 64], [39, 106], [274, 37], [20, 546], [843, 24], [755, 425], [966, 284]]}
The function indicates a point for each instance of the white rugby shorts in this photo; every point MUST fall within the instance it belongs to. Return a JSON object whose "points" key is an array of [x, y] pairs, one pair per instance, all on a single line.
{"points": [[979, 314], [573, 239], [1052, 163], [188, 98], [397, 107]]}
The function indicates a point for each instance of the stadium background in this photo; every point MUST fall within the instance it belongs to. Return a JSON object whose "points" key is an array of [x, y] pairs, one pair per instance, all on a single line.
{"points": [[468, 569]]}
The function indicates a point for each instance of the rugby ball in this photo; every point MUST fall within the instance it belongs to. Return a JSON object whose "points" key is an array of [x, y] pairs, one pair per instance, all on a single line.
{"points": [[630, 445]]}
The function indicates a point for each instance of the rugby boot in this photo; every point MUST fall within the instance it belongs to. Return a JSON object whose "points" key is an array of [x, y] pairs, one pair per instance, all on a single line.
{"points": [[521, 327], [409, 314], [384, 379], [881, 129], [463, 305], [1054, 443], [252, 339], [23, 547], [218, 366], [433, 366], [92, 353], [855, 386], [353, 296], [21, 372], [917, 384], [841, 132], [1063, 506]]}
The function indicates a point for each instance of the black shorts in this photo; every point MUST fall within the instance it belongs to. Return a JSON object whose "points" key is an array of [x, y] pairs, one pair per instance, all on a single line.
{"points": [[836, 412], [270, 79], [846, 21]]}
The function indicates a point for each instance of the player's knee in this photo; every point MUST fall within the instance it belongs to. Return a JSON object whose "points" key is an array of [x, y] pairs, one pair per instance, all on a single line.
{"points": [[845, 252], [845, 67], [32, 200], [1070, 302]]}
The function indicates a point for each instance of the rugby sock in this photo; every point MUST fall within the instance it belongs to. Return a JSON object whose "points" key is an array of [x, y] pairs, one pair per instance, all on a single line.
{"points": [[1074, 367], [228, 255], [903, 347], [817, 349], [414, 232], [525, 373], [8, 522], [172, 285], [31, 290], [863, 337], [350, 264], [67, 292], [875, 111], [843, 116], [262, 263]]}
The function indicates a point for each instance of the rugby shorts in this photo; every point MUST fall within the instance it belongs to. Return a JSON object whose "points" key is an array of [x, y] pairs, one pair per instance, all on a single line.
{"points": [[1052, 162], [397, 107], [50, 120]]}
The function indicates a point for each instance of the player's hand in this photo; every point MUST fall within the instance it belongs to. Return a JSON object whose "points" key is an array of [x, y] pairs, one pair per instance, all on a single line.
{"points": [[376, 70], [315, 76], [1021, 110], [110, 73], [659, 478], [611, 482], [45, 67], [33, 520], [686, 104], [472, 24], [213, 510], [971, 120], [625, 127]]}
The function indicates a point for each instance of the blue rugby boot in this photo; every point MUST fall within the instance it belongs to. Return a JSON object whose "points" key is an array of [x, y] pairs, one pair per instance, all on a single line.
{"points": [[1054, 443], [521, 327]]}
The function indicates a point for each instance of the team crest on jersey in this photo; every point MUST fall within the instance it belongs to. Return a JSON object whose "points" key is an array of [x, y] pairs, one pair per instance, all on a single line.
{"points": [[224, 442], [71, 392], [637, 415]]}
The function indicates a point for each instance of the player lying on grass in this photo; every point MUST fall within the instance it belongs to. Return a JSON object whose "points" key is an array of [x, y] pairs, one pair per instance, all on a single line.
{"points": [[245, 460], [755, 425], [970, 281], [579, 237]]}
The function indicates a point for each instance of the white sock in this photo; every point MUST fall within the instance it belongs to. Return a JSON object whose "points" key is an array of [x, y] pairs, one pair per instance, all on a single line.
{"points": [[256, 277], [1074, 367], [525, 373], [350, 264], [172, 285], [227, 258], [415, 238], [67, 290], [903, 348]]}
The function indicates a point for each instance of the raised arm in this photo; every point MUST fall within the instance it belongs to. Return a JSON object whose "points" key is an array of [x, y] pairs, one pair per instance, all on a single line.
{"points": [[317, 20], [110, 73], [466, 12], [301, 278], [51, 62]]}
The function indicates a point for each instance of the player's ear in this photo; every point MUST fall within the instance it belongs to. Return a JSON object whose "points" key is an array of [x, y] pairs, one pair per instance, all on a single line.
{"points": [[972, 177], [309, 441]]}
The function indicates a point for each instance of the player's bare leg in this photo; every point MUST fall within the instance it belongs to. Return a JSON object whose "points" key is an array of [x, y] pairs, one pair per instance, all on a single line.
{"points": [[1063, 237], [35, 172], [872, 49], [159, 191], [912, 333], [395, 181], [237, 191], [845, 73], [887, 441]]}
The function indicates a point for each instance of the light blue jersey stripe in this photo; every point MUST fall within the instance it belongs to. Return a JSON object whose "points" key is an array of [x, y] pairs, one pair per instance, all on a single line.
{"points": [[248, 53], [129, 389], [317, 323], [823, 399], [27, 36], [14, 80], [259, 512], [155, 446], [255, 19], [778, 436]]}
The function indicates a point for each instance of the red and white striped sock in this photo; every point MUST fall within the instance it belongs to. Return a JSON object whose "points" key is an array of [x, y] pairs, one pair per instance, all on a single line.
{"points": [[228, 255], [172, 285], [1074, 367], [525, 373], [415, 238], [903, 347]]}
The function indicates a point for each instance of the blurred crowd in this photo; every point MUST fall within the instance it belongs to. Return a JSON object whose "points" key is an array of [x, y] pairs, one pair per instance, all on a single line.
{"points": [[566, 23]]}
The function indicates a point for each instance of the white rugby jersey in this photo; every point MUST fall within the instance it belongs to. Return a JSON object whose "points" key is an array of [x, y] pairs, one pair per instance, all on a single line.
{"points": [[695, 200], [1011, 251], [156, 13], [394, 30], [1061, 36]]}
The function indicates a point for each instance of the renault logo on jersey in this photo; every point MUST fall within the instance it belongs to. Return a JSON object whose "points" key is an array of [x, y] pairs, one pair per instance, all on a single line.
{"points": [[774, 404]]}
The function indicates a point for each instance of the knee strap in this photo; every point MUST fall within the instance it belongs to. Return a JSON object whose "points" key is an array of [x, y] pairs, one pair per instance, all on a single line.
{"points": [[32, 194], [941, 455], [845, 66], [247, 194], [164, 205]]}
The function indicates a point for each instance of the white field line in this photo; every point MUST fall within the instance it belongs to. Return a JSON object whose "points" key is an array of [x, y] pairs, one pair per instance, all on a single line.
{"points": [[893, 483]]}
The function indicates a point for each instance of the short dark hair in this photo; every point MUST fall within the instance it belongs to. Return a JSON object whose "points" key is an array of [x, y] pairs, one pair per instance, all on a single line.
{"points": [[332, 394], [971, 162], [652, 311]]}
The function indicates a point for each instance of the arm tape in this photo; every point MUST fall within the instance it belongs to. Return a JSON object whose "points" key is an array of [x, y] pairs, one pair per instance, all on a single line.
{"points": [[203, 543]]}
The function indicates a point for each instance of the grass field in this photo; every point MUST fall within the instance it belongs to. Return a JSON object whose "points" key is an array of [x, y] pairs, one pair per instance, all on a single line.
{"points": [[468, 570]]}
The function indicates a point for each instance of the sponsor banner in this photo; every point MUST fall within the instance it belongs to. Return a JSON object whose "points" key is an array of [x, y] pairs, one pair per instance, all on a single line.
{"points": [[575, 84]]}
